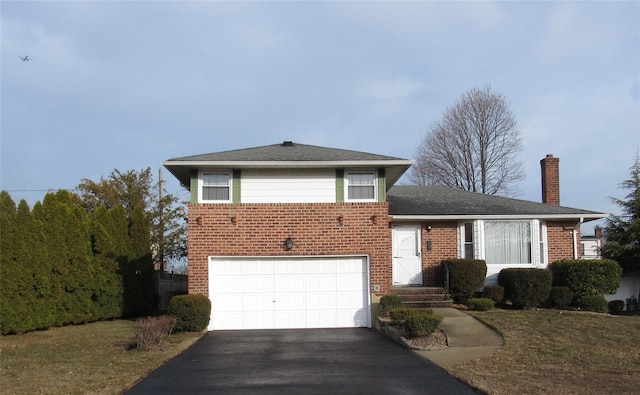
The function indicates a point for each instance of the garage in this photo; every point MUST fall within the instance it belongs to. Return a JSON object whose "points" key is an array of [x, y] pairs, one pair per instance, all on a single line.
{"points": [[291, 292]]}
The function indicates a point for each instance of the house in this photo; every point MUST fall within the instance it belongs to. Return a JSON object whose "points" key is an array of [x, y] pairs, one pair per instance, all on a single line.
{"points": [[293, 236], [591, 245]]}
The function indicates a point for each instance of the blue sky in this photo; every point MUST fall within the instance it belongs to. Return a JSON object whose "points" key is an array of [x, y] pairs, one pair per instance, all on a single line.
{"points": [[127, 85]]}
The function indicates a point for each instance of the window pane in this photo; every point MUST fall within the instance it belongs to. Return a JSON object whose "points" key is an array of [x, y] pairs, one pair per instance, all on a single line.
{"points": [[468, 233], [468, 251], [507, 242], [215, 193], [360, 178], [361, 192], [215, 179]]}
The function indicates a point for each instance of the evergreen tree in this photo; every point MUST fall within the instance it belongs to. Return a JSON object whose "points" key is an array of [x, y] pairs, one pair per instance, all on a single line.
{"points": [[52, 215], [622, 232], [108, 291], [12, 305], [68, 244], [34, 263], [140, 290]]}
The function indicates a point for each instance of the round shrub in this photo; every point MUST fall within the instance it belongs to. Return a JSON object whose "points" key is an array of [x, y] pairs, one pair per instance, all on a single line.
{"points": [[192, 312], [616, 306], [595, 303], [399, 315], [560, 296], [421, 324], [587, 276], [466, 276], [494, 292], [480, 304], [388, 302], [524, 287]]}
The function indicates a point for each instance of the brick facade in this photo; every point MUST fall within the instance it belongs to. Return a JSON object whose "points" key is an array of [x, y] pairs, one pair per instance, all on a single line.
{"points": [[560, 240], [444, 245], [316, 229]]}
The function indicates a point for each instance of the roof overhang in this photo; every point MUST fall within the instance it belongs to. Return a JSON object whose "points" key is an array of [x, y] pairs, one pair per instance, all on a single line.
{"points": [[182, 169], [553, 217]]}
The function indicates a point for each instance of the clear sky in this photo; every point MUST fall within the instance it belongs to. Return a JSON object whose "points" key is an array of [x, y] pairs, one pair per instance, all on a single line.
{"points": [[126, 85]]}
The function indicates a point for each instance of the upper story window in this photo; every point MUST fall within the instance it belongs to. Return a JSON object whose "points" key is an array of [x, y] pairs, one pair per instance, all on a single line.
{"points": [[361, 185], [216, 187]]}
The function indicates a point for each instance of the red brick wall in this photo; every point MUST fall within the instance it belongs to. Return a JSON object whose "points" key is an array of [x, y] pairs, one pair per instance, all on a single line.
{"points": [[316, 229], [444, 245], [560, 240]]}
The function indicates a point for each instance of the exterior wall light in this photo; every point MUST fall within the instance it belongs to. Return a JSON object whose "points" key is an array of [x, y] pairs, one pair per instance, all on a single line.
{"points": [[288, 243]]}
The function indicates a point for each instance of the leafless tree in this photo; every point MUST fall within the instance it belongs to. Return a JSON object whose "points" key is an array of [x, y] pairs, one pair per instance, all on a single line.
{"points": [[473, 147]]}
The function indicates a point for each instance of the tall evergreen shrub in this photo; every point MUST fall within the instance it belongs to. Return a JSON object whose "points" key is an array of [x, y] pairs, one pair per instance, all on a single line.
{"points": [[466, 276]]}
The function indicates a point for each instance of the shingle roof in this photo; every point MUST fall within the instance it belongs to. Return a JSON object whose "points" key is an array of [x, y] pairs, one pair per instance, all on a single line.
{"points": [[287, 155], [286, 152], [441, 201]]}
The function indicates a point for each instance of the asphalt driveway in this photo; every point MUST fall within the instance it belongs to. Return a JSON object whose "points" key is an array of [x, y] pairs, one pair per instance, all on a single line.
{"points": [[307, 361]]}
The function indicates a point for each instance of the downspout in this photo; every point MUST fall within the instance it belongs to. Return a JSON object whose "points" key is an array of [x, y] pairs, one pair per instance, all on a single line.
{"points": [[575, 238]]}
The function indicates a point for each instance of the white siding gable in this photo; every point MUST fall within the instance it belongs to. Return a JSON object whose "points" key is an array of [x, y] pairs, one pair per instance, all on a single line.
{"points": [[287, 186]]}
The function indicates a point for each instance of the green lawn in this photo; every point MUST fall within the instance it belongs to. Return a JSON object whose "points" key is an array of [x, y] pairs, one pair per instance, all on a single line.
{"points": [[92, 358], [558, 352]]}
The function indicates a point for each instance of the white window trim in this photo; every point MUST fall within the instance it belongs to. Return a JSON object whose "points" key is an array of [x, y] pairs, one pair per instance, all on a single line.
{"points": [[356, 171], [201, 174]]}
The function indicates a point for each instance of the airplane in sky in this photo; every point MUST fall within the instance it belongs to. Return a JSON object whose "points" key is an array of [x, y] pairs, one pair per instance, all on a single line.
{"points": [[26, 58]]}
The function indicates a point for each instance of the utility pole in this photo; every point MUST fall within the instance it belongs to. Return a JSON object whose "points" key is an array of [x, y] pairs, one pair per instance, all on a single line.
{"points": [[161, 221]]}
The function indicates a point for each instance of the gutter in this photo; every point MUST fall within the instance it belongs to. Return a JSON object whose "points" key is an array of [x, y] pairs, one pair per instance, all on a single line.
{"points": [[463, 217], [575, 237]]}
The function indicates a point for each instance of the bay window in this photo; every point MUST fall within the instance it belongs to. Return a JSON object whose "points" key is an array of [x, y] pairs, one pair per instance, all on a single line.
{"points": [[503, 242]]}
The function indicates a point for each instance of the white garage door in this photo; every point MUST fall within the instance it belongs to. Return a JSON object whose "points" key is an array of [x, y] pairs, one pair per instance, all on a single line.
{"points": [[307, 292]]}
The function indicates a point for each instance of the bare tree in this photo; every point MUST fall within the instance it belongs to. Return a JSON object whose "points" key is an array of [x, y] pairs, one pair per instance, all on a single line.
{"points": [[473, 147]]}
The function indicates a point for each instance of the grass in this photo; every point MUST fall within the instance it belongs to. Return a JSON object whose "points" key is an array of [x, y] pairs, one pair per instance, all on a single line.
{"points": [[96, 358], [545, 352], [556, 351]]}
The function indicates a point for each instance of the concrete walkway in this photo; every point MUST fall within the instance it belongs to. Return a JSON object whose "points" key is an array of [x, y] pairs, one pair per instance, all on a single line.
{"points": [[467, 339]]}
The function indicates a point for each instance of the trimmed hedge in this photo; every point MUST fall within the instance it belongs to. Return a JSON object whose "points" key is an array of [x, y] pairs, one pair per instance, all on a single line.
{"points": [[466, 276], [494, 292], [192, 312], [616, 306], [388, 302], [525, 287], [595, 303], [421, 324], [560, 296], [587, 276], [480, 304]]}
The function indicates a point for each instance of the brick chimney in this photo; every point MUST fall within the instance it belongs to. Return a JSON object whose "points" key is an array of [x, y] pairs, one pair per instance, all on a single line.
{"points": [[550, 167]]}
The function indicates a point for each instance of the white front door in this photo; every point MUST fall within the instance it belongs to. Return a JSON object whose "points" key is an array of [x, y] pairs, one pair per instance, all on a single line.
{"points": [[407, 260]]}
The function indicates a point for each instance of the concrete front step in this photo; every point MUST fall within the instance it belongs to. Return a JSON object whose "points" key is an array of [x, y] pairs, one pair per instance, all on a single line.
{"points": [[428, 297], [405, 290], [428, 304]]}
